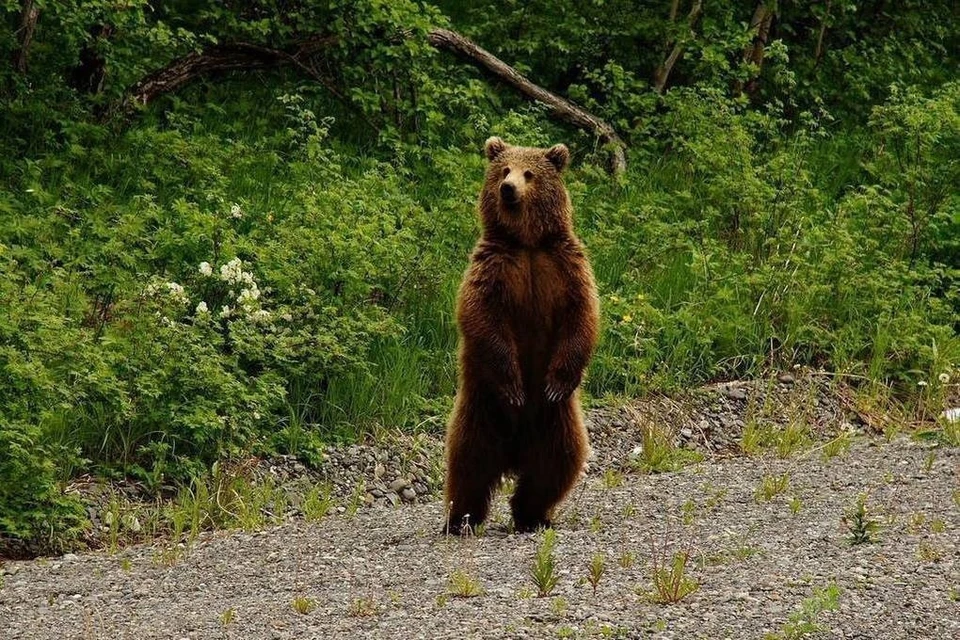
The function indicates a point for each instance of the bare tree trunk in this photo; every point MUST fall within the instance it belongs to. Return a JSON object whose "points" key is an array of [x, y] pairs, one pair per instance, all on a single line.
{"points": [[818, 52], [663, 71], [560, 108], [29, 14], [753, 54]]}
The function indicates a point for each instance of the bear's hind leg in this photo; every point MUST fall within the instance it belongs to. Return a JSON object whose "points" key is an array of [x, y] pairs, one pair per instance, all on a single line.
{"points": [[551, 465], [475, 465]]}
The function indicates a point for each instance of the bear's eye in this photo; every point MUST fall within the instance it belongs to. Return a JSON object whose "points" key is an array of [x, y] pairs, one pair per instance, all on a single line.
{"points": [[528, 175], [506, 171]]}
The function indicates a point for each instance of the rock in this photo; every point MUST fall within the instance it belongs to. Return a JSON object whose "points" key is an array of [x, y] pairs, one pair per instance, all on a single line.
{"points": [[686, 433], [398, 485], [786, 378], [379, 470], [735, 393], [409, 494]]}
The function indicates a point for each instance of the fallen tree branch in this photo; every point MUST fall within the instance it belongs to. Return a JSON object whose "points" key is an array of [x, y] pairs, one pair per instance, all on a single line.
{"points": [[560, 108], [222, 58], [245, 56]]}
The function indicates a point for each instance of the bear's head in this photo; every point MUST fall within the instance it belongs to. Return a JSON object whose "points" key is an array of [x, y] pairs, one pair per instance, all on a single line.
{"points": [[523, 195]]}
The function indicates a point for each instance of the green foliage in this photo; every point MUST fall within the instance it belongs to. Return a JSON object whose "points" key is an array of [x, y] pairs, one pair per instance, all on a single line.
{"points": [[803, 623]]}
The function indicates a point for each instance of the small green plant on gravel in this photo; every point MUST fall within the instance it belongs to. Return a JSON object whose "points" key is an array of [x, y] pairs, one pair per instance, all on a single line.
{"points": [[169, 555], [669, 578], [928, 552], [688, 512], [463, 585], [837, 446], [596, 524], [928, 462], [566, 631], [544, 564], [937, 525], [630, 510], [612, 479], [956, 497], [803, 623], [916, 522], [657, 452], [317, 502], [715, 495], [795, 505], [525, 593], [771, 486], [559, 606], [861, 527], [954, 594], [356, 498], [125, 565], [228, 617], [595, 572], [363, 607], [303, 605], [627, 559], [442, 600]]}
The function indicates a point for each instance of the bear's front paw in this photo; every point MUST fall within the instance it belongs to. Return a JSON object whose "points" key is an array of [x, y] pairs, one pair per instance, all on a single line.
{"points": [[560, 385]]}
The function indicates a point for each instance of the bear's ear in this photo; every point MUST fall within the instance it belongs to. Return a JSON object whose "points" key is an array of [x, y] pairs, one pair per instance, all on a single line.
{"points": [[559, 156], [494, 147]]}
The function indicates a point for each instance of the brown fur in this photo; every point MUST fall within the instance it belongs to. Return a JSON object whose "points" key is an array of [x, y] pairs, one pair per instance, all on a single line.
{"points": [[528, 318]]}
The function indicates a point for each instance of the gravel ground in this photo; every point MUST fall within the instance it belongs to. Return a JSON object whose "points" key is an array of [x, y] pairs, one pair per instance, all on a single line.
{"points": [[385, 573]]}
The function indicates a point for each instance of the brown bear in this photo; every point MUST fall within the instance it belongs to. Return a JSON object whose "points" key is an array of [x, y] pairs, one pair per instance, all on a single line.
{"points": [[527, 314]]}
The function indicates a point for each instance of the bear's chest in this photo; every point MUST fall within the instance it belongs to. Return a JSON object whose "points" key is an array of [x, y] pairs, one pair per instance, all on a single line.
{"points": [[537, 288]]}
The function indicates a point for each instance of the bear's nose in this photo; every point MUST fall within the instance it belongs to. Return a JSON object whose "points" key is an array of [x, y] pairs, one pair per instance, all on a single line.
{"points": [[508, 192]]}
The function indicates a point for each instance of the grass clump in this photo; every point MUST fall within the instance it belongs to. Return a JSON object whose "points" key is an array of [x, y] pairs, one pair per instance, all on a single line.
{"points": [[463, 585], [771, 486], [595, 571], [803, 623], [669, 577], [543, 570]]}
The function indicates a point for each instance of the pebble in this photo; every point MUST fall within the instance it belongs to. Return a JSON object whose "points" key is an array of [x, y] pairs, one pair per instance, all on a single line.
{"points": [[786, 378], [397, 485], [409, 494]]}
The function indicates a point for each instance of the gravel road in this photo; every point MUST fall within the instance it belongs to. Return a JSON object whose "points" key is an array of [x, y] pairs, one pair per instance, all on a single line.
{"points": [[386, 573]]}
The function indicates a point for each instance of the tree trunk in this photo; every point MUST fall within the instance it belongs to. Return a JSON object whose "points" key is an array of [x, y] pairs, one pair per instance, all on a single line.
{"points": [[663, 71], [89, 74], [753, 54], [818, 52], [29, 14], [560, 108]]}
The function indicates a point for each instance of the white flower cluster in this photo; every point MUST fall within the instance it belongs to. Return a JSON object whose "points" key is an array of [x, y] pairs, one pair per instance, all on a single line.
{"points": [[176, 292], [236, 211], [206, 269]]}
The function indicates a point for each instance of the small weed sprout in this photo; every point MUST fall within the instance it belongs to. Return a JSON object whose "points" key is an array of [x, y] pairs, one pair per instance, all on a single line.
{"points": [[803, 623], [544, 564], [861, 527], [442, 600], [363, 607], [596, 570], [688, 512], [928, 552], [612, 479], [317, 502], [837, 446], [771, 486], [228, 617], [463, 585], [303, 605], [596, 524], [559, 606], [795, 505], [126, 565], [928, 462], [525, 593], [658, 454], [627, 559]]}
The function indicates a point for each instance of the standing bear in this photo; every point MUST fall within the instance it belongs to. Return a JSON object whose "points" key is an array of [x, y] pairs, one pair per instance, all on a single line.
{"points": [[528, 317]]}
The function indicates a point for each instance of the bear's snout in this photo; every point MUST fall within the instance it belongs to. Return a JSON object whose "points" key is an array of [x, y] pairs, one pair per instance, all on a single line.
{"points": [[508, 193]]}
